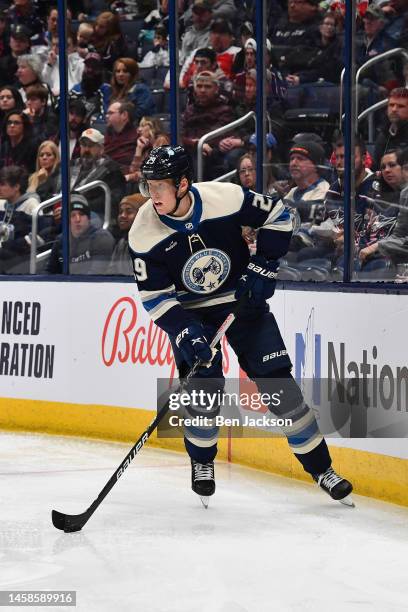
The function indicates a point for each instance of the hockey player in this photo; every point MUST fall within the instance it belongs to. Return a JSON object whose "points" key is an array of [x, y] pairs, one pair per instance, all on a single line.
{"points": [[191, 265]]}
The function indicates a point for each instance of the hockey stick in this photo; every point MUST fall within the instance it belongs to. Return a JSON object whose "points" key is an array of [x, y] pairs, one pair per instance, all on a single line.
{"points": [[75, 522]]}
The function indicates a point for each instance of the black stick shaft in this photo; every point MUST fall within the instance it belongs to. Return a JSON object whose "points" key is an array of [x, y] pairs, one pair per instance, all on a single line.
{"points": [[76, 522]]}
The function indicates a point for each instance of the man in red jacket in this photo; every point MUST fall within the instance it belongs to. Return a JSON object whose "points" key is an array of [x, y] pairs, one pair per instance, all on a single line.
{"points": [[208, 111], [121, 135]]}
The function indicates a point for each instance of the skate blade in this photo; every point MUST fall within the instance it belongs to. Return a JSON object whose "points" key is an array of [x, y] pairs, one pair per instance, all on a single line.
{"points": [[204, 500], [347, 501]]}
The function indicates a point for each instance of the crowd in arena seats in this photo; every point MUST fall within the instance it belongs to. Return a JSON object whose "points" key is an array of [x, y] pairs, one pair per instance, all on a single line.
{"points": [[118, 81]]}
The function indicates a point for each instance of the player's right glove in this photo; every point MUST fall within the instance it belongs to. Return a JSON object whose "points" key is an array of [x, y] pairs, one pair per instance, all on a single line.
{"points": [[258, 281], [193, 344]]}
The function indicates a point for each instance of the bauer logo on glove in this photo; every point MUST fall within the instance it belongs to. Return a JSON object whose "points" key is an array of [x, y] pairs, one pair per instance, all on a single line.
{"points": [[259, 280]]}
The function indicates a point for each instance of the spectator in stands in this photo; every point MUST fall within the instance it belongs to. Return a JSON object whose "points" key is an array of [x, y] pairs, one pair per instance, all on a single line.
{"points": [[108, 39], [15, 220], [52, 24], [17, 147], [398, 22], [276, 173], [94, 165], [126, 86], [78, 123], [221, 9], [293, 37], [159, 55], [389, 192], [10, 99], [121, 262], [234, 145], [23, 13], [395, 246], [246, 169], [4, 34], [29, 72], [221, 38], [326, 60], [246, 32], [307, 196], [206, 59], [149, 135], [391, 178], [44, 122], [206, 112], [305, 160], [395, 133], [46, 180], [327, 232], [75, 65], [20, 45], [84, 39], [90, 248], [198, 34], [121, 134], [91, 90], [376, 41]]}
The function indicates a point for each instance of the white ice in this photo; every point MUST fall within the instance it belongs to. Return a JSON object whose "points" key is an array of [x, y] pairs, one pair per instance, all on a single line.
{"points": [[265, 543]]}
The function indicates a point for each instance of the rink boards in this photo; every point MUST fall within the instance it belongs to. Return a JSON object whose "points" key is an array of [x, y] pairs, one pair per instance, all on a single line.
{"points": [[83, 359]]}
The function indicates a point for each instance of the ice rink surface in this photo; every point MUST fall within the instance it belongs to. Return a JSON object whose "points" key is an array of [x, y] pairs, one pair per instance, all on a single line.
{"points": [[266, 543]]}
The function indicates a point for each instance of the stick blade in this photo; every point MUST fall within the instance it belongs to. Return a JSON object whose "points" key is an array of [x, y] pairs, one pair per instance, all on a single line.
{"points": [[69, 522]]}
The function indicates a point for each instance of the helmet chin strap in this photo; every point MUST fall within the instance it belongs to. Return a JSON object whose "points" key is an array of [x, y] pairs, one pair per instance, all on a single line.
{"points": [[178, 199]]}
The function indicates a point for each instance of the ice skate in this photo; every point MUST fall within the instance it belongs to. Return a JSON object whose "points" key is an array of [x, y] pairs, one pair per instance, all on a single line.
{"points": [[334, 485], [202, 480]]}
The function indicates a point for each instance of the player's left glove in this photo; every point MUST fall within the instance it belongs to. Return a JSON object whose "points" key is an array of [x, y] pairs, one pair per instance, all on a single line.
{"points": [[258, 281]]}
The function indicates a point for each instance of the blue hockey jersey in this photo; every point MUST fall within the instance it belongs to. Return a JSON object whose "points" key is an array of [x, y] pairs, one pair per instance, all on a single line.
{"points": [[195, 261]]}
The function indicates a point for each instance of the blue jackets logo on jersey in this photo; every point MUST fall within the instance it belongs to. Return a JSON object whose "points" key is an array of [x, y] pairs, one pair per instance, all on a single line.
{"points": [[206, 270]]}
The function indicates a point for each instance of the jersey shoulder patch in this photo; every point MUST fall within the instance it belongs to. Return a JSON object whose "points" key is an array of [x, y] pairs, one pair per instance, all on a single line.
{"points": [[147, 230], [220, 199]]}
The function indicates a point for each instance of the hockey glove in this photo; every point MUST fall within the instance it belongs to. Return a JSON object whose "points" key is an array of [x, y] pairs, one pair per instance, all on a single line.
{"points": [[193, 344], [258, 281]]}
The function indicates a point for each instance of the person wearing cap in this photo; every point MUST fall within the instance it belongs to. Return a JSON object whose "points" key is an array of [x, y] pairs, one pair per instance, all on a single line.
{"points": [[198, 33], [376, 41], [221, 38], [206, 109], [23, 13], [293, 37], [20, 44], [308, 194], [94, 165], [220, 9], [90, 248], [324, 235]]}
